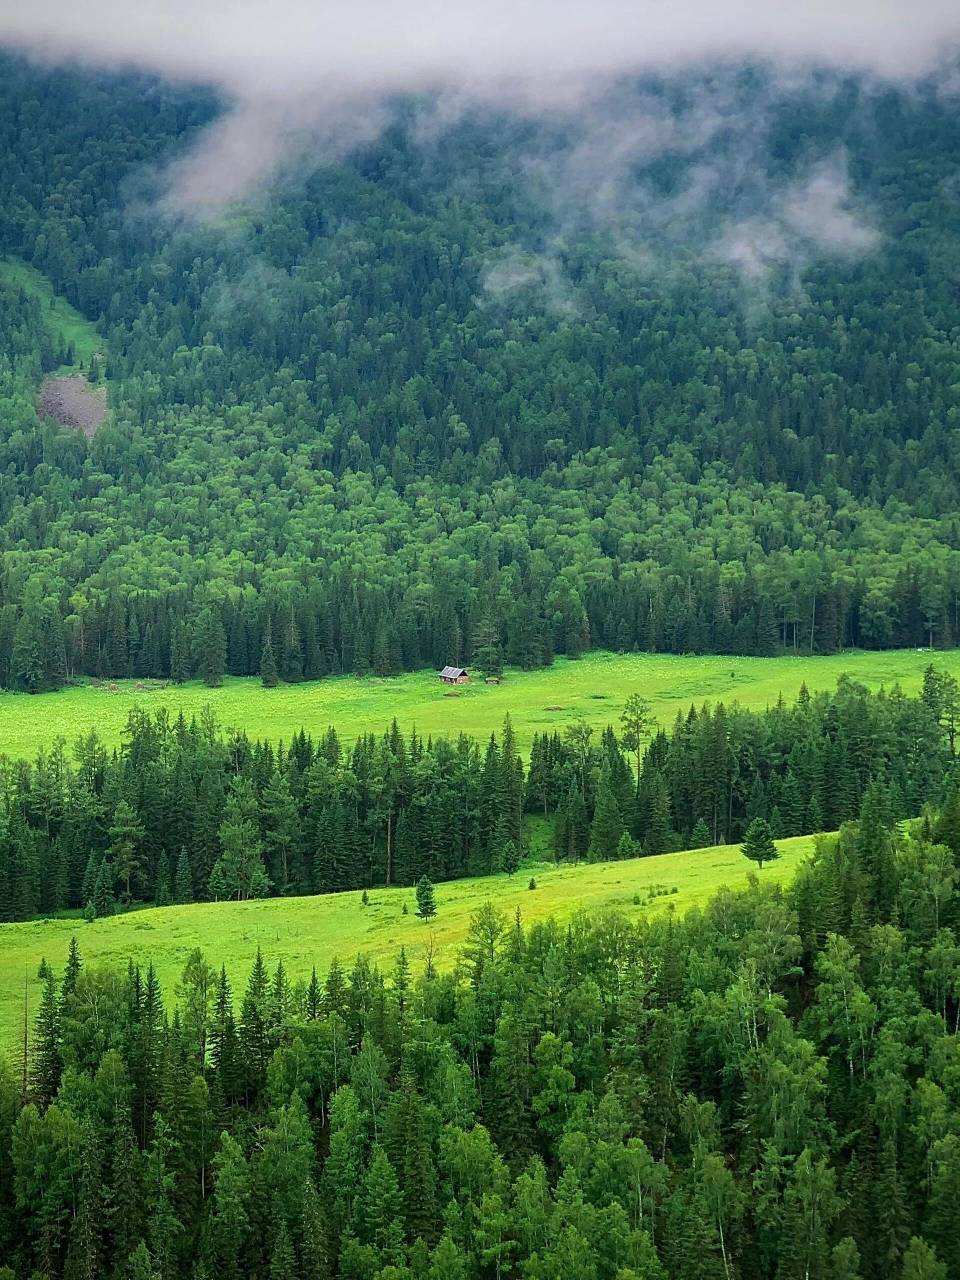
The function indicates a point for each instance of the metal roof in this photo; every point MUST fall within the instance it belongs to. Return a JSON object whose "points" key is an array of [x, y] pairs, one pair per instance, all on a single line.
{"points": [[451, 673]]}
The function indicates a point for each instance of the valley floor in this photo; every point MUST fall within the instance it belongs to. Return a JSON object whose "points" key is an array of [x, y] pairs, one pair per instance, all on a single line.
{"points": [[307, 932], [595, 687]]}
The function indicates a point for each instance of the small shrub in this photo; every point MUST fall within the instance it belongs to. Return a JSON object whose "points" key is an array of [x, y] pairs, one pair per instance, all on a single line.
{"points": [[532, 884], [674, 889], [364, 897], [636, 900], [404, 910]]}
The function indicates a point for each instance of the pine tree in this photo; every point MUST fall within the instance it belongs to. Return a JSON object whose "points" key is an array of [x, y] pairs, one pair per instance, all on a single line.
{"points": [[699, 836], [381, 1203], [140, 1265], [636, 723], [314, 1260], [210, 647], [920, 1262], [126, 837], [426, 899], [758, 843], [47, 1060], [102, 899], [607, 826], [283, 1263], [509, 859], [239, 871], [85, 1251], [26, 660], [268, 666], [179, 653], [183, 889]]}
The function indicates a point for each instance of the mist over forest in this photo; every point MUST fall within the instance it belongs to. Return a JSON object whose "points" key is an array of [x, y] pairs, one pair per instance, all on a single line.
{"points": [[338, 343]]}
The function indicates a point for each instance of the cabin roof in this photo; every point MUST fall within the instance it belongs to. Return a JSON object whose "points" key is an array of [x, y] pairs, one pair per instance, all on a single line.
{"points": [[451, 673]]}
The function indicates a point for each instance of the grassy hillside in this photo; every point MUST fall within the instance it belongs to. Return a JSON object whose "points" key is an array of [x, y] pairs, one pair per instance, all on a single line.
{"points": [[596, 687], [62, 319], [304, 932]]}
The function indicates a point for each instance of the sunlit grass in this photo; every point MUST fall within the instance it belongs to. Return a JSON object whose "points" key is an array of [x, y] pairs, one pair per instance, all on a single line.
{"points": [[303, 932], [59, 316], [595, 687]]}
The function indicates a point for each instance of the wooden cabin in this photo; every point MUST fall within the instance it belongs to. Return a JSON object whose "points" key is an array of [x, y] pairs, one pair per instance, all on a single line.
{"points": [[454, 675]]}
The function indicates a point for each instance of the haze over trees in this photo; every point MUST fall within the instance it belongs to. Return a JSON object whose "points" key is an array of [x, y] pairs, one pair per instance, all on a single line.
{"points": [[363, 433]]}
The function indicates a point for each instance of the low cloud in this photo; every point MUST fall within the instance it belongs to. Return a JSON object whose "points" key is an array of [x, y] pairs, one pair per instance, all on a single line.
{"points": [[814, 216], [304, 75]]}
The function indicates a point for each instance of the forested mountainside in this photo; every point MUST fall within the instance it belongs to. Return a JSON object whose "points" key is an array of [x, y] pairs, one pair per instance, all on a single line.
{"points": [[764, 1090], [402, 410], [185, 813]]}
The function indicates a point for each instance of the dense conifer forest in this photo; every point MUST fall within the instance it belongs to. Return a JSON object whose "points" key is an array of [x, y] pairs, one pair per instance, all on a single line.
{"points": [[344, 436]]}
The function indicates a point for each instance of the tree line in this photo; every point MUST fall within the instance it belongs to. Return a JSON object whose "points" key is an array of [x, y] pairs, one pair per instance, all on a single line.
{"points": [[181, 812], [765, 1088]]}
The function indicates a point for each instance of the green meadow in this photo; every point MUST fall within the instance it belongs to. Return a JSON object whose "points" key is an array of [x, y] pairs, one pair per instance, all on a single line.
{"points": [[62, 319], [303, 932], [595, 687]]}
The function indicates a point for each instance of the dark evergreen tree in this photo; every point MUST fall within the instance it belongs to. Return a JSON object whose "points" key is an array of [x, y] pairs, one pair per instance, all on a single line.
{"points": [[758, 843], [426, 899]]}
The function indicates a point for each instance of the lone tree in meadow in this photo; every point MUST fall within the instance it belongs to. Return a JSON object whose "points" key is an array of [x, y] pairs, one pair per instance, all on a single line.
{"points": [[758, 843], [426, 901]]}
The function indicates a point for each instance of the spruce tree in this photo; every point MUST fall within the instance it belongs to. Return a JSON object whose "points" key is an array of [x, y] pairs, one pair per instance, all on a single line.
{"points": [[140, 1265], [699, 836], [102, 898], [26, 660], [426, 899], [72, 971], [283, 1263], [268, 666], [381, 1203], [210, 647], [314, 1261], [510, 859], [607, 826], [85, 1250], [179, 653], [758, 843], [163, 893], [183, 887], [659, 837], [47, 1063]]}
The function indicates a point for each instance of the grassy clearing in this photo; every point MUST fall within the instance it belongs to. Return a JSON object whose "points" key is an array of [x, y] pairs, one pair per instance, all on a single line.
{"points": [[62, 319], [304, 932], [596, 687]]}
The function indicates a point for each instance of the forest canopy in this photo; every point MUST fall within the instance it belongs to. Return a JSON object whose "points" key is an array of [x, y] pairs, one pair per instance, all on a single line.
{"points": [[415, 405]]}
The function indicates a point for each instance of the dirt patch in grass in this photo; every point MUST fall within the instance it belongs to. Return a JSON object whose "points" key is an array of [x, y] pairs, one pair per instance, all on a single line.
{"points": [[73, 403]]}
